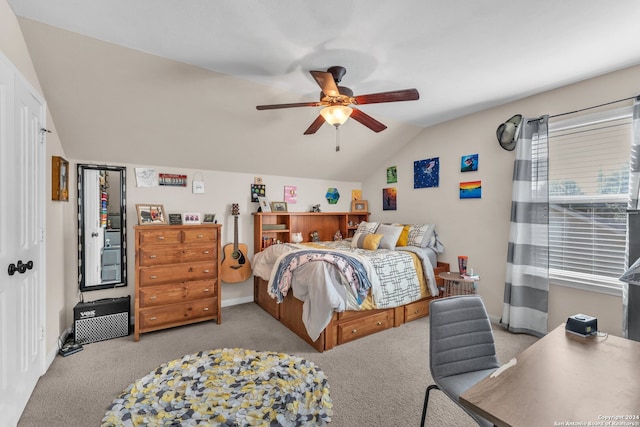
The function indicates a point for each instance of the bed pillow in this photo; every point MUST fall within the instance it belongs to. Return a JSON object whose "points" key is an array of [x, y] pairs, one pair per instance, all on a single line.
{"points": [[368, 241], [421, 235], [390, 235], [403, 239], [367, 227]]}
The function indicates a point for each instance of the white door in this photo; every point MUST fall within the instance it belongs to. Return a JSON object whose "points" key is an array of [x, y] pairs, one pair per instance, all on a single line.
{"points": [[22, 171]]}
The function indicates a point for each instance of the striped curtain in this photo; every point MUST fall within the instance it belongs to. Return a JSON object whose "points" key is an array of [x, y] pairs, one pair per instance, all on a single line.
{"points": [[634, 188], [527, 282]]}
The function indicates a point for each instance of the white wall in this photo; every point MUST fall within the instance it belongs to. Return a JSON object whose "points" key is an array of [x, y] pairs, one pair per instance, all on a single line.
{"points": [[479, 228], [221, 190]]}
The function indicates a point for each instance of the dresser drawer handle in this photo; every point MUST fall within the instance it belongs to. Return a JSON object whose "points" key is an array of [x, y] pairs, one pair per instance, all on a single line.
{"points": [[206, 271], [160, 237], [200, 236], [206, 290], [354, 331], [206, 309], [205, 252], [379, 323], [153, 277], [153, 318], [152, 256], [153, 297], [416, 312]]}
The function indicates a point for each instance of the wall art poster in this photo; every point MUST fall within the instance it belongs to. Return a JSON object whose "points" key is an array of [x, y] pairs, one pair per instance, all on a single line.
{"points": [[469, 163], [172, 179], [290, 193], [426, 173], [392, 174], [389, 199], [258, 190], [146, 177], [471, 190], [356, 194]]}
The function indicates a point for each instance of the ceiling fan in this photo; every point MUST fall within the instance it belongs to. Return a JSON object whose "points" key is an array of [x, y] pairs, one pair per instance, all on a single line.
{"points": [[337, 100]]}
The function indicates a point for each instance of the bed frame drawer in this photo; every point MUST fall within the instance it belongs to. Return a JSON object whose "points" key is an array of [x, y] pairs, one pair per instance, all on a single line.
{"points": [[351, 330], [416, 310]]}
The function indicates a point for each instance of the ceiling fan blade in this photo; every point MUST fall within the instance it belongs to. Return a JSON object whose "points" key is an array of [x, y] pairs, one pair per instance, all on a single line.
{"points": [[367, 120], [295, 104], [393, 96], [326, 82], [314, 126]]}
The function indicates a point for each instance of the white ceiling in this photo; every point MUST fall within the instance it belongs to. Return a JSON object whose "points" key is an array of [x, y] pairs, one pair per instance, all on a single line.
{"points": [[463, 56]]}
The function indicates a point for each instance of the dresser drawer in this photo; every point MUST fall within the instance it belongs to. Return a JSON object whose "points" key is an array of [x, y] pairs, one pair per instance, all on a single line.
{"points": [[156, 235], [176, 314], [175, 293], [161, 254], [200, 235], [351, 330], [416, 310], [174, 273]]}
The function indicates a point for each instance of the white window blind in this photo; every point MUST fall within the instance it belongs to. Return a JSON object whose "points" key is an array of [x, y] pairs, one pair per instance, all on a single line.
{"points": [[588, 195]]}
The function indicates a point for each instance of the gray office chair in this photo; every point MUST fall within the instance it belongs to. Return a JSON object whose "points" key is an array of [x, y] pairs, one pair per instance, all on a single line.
{"points": [[461, 348]]}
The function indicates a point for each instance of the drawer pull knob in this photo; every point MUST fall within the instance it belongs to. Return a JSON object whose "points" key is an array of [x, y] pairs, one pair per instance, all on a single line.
{"points": [[153, 318], [152, 256], [205, 252], [153, 297], [206, 309], [379, 323], [354, 331], [153, 277], [416, 312], [160, 237], [200, 236], [206, 271], [206, 290]]}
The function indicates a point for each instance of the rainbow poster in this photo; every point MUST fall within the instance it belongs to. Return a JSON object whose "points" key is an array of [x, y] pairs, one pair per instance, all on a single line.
{"points": [[471, 190]]}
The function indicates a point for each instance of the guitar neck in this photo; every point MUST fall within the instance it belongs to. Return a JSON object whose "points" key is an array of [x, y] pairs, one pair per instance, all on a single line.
{"points": [[235, 233]]}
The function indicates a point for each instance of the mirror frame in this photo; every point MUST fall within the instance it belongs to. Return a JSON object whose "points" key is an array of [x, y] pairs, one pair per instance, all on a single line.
{"points": [[123, 226]]}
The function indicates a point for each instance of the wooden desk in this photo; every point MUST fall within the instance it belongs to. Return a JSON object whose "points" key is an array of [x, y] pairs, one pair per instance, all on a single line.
{"points": [[564, 379]]}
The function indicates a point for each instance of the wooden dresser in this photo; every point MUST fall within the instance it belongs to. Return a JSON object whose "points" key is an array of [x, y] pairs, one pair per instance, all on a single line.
{"points": [[177, 280]]}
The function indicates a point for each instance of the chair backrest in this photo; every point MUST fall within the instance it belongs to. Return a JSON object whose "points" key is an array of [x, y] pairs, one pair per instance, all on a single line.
{"points": [[461, 338]]}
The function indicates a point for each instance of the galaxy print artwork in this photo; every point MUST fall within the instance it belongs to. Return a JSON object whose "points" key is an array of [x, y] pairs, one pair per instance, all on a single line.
{"points": [[426, 173]]}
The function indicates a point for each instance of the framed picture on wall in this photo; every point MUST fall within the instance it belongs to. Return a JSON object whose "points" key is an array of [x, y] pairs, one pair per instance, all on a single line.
{"points": [[150, 214]]}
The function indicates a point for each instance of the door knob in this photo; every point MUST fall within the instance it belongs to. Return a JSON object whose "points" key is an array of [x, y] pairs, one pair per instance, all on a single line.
{"points": [[21, 267], [12, 269]]}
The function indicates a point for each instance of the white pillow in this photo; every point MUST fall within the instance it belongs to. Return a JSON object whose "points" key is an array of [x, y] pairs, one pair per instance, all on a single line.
{"points": [[390, 235], [421, 235], [367, 227]]}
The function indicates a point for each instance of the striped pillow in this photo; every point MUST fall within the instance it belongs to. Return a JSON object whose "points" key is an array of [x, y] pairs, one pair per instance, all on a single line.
{"points": [[368, 241]]}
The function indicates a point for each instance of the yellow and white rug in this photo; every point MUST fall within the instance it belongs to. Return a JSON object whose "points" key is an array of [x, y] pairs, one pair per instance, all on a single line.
{"points": [[228, 387]]}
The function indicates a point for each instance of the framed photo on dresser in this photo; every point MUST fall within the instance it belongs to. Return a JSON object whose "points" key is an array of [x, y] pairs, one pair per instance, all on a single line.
{"points": [[151, 214]]}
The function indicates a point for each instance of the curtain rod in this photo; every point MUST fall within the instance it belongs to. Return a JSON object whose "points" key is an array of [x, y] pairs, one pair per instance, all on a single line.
{"points": [[589, 108]]}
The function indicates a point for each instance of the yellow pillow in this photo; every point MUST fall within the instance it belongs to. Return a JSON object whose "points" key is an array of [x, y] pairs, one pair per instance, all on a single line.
{"points": [[368, 241], [404, 236]]}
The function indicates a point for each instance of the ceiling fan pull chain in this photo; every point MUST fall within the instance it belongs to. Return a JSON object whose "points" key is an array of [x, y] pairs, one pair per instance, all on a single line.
{"points": [[337, 138]]}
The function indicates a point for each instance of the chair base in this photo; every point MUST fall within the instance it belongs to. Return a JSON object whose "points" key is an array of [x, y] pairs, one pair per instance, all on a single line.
{"points": [[426, 402]]}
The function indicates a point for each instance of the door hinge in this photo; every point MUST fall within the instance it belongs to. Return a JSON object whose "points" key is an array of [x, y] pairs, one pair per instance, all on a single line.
{"points": [[41, 333], [41, 234]]}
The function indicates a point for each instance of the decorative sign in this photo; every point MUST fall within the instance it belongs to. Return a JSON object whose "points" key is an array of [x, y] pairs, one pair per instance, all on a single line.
{"points": [[172, 180], [175, 219]]}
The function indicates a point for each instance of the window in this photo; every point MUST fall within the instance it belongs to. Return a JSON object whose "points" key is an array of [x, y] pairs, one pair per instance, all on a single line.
{"points": [[588, 196]]}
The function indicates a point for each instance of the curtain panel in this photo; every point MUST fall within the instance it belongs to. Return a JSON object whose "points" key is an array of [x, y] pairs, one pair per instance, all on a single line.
{"points": [[527, 280]]}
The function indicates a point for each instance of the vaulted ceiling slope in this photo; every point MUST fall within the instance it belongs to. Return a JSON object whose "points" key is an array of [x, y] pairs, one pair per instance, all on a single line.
{"points": [[173, 83]]}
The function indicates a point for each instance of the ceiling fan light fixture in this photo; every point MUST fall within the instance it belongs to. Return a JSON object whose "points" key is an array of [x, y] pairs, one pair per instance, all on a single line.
{"points": [[336, 114]]}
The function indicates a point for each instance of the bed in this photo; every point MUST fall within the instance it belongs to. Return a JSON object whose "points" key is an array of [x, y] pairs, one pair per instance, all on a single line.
{"points": [[332, 292]]}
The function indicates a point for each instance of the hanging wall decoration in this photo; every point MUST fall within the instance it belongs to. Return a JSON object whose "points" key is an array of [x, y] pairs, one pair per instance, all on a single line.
{"points": [[290, 193], [471, 190], [392, 175], [258, 190], [332, 196], [356, 194], [389, 199], [197, 184], [426, 173], [172, 180], [469, 163]]}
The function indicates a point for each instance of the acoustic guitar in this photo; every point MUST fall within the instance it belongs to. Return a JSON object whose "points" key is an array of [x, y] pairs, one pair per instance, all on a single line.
{"points": [[235, 265]]}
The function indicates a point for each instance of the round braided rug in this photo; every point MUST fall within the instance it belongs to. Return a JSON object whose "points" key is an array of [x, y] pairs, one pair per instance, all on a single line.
{"points": [[228, 387]]}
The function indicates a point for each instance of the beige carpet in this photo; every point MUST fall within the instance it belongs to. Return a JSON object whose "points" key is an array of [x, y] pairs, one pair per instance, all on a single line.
{"points": [[375, 381]]}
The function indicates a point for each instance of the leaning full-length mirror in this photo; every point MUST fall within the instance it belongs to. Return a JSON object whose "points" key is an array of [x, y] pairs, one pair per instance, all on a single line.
{"points": [[102, 225]]}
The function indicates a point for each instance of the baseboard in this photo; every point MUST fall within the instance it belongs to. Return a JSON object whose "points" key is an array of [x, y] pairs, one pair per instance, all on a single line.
{"points": [[236, 301]]}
